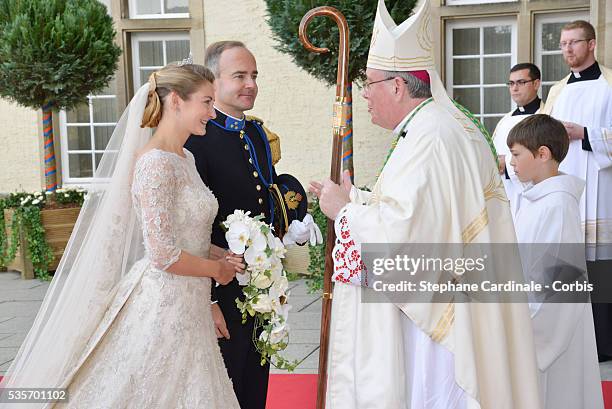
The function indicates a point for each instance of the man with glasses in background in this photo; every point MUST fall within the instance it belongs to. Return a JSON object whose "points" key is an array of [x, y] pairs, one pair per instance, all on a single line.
{"points": [[583, 102], [523, 84]]}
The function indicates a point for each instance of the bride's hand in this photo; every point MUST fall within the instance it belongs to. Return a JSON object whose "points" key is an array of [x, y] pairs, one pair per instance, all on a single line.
{"points": [[230, 265], [237, 260], [216, 252]]}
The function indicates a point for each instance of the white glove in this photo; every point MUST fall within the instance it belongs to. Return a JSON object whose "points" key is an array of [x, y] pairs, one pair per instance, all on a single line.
{"points": [[301, 232]]}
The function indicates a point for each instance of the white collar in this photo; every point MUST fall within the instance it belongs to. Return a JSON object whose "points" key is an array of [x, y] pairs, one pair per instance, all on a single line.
{"points": [[228, 115], [399, 126], [560, 183]]}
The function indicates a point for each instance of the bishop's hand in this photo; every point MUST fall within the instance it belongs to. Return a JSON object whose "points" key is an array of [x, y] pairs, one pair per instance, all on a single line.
{"points": [[332, 197]]}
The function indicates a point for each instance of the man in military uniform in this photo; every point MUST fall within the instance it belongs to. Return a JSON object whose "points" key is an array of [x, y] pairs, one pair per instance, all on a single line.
{"points": [[236, 161]]}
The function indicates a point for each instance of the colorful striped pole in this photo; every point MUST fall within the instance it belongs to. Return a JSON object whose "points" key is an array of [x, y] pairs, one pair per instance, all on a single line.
{"points": [[50, 168], [347, 136]]}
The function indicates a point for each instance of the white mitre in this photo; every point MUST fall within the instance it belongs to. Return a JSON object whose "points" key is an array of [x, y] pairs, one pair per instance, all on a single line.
{"points": [[407, 47], [410, 47]]}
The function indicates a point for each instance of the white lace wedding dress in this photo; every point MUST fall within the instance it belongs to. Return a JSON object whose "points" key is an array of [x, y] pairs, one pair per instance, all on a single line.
{"points": [[156, 347]]}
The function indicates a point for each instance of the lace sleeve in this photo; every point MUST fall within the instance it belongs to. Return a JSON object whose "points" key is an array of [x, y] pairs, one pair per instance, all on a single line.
{"points": [[155, 183]]}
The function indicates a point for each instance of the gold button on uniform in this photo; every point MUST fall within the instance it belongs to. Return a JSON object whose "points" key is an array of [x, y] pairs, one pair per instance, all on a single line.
{"points": [[246, 147], [255, 174], [260, 200], [258, 187], [251, 161]]}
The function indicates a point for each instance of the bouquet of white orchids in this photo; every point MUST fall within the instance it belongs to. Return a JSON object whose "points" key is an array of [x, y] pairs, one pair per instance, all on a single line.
{"points": [[265, 285]]}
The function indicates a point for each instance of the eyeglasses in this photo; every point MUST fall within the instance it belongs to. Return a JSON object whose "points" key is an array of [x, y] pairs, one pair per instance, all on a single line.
{"points": [[366, 86], [571, 43], [520, 83]]}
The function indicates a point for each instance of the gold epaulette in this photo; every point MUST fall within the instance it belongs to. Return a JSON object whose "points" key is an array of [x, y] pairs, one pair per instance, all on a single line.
{"points": [[273, 139]]}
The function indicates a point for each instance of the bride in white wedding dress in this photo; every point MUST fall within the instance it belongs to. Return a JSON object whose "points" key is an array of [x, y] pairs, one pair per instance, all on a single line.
{"points": [[127, 319]]}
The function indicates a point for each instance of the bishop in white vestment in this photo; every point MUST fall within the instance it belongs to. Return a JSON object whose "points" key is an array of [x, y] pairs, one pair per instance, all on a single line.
{"points": [[440, 184]]}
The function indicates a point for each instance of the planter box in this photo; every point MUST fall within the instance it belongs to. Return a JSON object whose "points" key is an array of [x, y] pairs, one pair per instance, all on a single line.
{"points": [[297, 259], [58, 225]]}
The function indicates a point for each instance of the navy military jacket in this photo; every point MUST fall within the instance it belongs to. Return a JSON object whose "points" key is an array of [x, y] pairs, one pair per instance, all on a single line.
{"points": [[235, 166], [225, 161]]}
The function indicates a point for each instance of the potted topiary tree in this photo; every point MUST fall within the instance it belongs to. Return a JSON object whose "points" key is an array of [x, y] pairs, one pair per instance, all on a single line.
{"points": [[53, 53], [284, 18]]}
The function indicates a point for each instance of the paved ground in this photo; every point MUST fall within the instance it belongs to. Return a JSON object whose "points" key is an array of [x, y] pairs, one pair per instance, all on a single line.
{"points": [[20, 300]]}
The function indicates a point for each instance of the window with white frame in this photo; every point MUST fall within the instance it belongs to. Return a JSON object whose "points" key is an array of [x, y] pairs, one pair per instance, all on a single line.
{"points": [[152, 51], [466, 2], [85, 132], [479, 55], [148, 9], [547, 52]]}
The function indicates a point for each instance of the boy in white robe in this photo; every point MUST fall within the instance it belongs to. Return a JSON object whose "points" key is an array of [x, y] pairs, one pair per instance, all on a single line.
{"points": [[548, 215]]}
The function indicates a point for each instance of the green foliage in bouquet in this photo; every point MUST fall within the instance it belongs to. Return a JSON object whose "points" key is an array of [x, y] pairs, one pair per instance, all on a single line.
{"points": [[284, 18], [265, 286]]}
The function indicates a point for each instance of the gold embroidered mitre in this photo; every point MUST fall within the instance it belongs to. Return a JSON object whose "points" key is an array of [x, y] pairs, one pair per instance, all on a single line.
{"points": [[404, 47]]}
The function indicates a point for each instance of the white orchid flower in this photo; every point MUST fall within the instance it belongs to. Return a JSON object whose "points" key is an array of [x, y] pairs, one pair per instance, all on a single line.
{"points": [[283, 312], [261, 281], [256, 260], [278, 334], [263, 304], [277, 270], [257, 238], [237, 237], [278, 291], [277, 246]]}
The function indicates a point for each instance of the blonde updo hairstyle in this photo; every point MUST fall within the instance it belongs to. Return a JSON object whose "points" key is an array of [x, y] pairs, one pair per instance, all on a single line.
{"points": [[182, 79]]}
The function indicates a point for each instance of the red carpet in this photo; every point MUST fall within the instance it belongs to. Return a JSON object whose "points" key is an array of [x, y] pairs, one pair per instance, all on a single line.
{"points": [[292, 391], [607, 394], [300, 392]]}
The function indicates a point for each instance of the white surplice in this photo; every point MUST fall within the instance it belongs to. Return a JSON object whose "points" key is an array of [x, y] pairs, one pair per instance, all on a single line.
{"points": [[513, 185], [549, 213], [589, 103], [440, 185]]}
